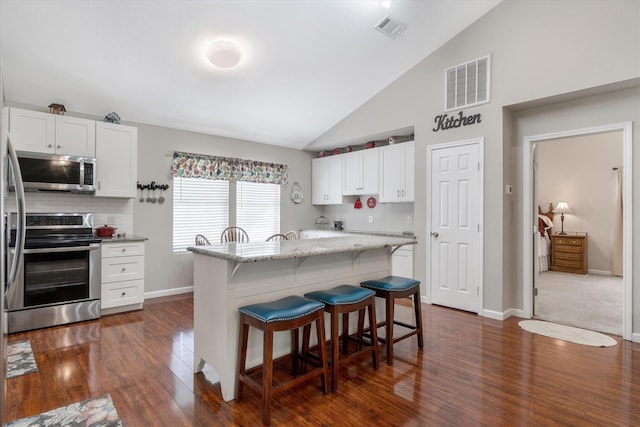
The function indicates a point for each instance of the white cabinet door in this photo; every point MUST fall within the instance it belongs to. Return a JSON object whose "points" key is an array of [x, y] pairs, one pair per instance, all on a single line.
{"points": [[335, 180], [397, 172], [75, 136], [360, 174], [370, 171], [116, 160], [326, 177], [402, 262], [352, 173], [32, 130], [319, 181]]}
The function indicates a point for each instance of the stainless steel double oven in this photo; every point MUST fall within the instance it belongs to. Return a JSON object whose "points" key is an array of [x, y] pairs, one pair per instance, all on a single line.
{"points": [[59, 279]]}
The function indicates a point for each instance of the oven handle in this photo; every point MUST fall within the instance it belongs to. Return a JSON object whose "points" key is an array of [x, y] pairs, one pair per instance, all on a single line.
{"points": [[91, 247]]}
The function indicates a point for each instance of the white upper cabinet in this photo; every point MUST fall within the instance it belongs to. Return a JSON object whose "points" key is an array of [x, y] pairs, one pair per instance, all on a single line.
{"points": [[397, 170], [360, 174], [75, 136], [326, 180], [116, 160], [50, 133]]}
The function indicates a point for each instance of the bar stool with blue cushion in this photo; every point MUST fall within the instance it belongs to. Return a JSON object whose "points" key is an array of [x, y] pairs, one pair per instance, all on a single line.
{"points": [[390, 288], [345, 299], [289, 313]]}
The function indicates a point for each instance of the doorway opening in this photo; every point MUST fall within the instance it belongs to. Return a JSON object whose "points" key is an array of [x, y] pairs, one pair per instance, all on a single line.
{"points": [[530, 217]]}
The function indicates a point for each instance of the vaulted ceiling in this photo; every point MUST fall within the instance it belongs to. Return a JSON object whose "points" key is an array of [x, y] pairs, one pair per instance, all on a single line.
{"points": [[306, 64]]}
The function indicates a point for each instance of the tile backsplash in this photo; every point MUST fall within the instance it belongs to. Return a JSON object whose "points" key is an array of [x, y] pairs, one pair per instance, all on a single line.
{"points": [[115, 212]]}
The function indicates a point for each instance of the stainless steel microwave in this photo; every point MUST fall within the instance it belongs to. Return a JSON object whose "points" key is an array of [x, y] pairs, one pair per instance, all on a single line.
{"points": [[54, 172]]}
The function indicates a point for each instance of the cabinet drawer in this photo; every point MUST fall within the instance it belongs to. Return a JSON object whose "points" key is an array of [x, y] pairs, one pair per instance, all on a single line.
{"points": [[568, 256], [110, 250], [122, 293], [122, 268], [568, 249], [568, 241], [568, 264]]}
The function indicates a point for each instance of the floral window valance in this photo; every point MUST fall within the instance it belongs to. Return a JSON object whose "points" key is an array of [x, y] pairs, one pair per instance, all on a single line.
{"points": [[191, 165]]}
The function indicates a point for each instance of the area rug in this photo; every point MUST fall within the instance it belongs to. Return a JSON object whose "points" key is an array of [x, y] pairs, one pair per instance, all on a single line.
{"points": [[567, 333], [20, 359], [97, 412]]}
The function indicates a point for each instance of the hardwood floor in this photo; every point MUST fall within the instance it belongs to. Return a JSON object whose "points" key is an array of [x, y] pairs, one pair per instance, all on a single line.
{"points": [[472, 371]]}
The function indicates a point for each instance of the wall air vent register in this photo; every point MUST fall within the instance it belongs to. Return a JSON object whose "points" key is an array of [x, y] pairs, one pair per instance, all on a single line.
{"points": [[468, 84]]}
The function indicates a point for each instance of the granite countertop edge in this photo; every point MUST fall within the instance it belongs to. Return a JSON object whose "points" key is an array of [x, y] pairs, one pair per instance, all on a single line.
{"points": [[266, 251], [132, 238]]}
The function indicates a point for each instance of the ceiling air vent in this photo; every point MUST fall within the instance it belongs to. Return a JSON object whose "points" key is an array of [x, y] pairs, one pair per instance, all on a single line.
{"points": [[468, 84], [390, 27]]}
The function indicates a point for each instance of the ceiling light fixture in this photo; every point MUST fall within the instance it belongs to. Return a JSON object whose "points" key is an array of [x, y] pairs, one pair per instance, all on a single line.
{"points": [[224, 54], [386, 4]]}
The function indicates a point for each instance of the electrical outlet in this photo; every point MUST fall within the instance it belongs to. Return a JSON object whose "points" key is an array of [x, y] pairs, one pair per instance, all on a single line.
{"points": [[370, 219], [410, 219]]}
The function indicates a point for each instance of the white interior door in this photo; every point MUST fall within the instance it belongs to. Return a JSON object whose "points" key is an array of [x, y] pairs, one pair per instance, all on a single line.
{"points": [[455, 220]]}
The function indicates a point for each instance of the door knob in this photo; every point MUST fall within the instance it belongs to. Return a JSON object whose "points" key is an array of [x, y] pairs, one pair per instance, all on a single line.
{"points": [[434, 233]]}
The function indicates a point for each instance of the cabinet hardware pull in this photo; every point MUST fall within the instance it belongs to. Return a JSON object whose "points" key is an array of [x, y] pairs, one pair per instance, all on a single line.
{"points": [[124, 269], [124, 293]]}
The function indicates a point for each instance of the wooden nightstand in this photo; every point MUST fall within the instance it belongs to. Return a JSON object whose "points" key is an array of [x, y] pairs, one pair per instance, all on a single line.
{"points": [[569, 253]]}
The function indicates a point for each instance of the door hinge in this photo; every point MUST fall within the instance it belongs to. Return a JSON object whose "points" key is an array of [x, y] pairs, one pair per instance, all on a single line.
{"points": [[535, 292], [478, 291], [478, 165], [478, 228]]}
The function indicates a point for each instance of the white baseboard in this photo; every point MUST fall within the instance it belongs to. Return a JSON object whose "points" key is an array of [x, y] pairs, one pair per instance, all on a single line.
{"points": [[423, 299], [497, 315], [635, 337], [168, 292], [600, 272]]}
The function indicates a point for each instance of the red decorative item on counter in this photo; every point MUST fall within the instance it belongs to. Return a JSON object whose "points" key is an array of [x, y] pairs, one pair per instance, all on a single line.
{"points": [[357, 204], [336, 151], [371, 202], [371, 144], [105, 231]]}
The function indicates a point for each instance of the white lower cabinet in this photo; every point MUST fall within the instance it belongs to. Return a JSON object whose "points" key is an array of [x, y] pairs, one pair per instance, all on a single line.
{"points": [[402, 262], [122, 276]]}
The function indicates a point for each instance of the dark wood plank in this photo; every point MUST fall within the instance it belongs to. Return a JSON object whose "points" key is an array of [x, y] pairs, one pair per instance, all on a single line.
{"points": [[472, 371]]}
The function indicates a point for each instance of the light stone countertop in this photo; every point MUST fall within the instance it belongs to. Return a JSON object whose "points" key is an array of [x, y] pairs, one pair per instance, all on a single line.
{"points": [[265, 251]]}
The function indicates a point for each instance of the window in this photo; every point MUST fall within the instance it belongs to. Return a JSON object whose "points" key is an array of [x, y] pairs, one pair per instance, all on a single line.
{"points": [[258, 209], [200, 206]]}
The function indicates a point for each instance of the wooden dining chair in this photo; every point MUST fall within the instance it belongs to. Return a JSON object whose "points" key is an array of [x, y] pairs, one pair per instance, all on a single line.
{"points": [[234, 234], [201, 240], [292, 235], [276, 237]]}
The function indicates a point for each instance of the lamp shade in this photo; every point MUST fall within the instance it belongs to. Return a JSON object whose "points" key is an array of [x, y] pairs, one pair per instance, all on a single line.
{"points": [[562, 207]]}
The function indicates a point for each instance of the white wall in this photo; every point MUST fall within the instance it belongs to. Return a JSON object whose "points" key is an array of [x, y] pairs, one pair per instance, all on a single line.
{"points": [[539, 50], [579, 171]]}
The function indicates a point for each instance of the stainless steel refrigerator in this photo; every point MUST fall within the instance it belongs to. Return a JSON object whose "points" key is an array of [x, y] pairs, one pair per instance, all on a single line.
{"points": [[8, 164]]}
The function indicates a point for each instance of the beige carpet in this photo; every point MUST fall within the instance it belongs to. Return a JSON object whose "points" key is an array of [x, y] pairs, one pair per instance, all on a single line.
{"points": [[588, 301], [567, 333]]}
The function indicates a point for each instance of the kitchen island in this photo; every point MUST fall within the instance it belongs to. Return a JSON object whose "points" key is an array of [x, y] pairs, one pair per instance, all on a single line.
{"points": [[228, 276]]}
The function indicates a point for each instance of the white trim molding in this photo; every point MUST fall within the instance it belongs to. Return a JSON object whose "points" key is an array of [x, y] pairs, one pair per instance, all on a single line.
{"points": [[528, 215], [168, 292]]}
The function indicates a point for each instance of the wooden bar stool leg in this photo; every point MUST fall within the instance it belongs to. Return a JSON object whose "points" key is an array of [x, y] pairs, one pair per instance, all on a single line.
{"points": [[416, 305], [345, 333], [295, 350], [242, 356], [361, 329], [390, 305], [322, 345], [335, 349], [374, 332], [267, 375]]}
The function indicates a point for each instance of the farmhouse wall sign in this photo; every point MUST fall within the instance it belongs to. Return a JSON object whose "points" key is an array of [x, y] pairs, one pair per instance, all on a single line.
{"points": [[444, 122]]}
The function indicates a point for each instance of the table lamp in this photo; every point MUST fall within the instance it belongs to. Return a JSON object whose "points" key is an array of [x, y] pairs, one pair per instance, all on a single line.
{"points": [[562, 208]]}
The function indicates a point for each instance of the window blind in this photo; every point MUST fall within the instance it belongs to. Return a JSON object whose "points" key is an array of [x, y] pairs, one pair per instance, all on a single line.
{"points": [[200, 206], [258, 209]]}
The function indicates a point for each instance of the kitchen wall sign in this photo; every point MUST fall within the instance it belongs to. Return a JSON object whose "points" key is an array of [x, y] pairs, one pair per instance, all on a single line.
{"points": [[444, 121]]}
